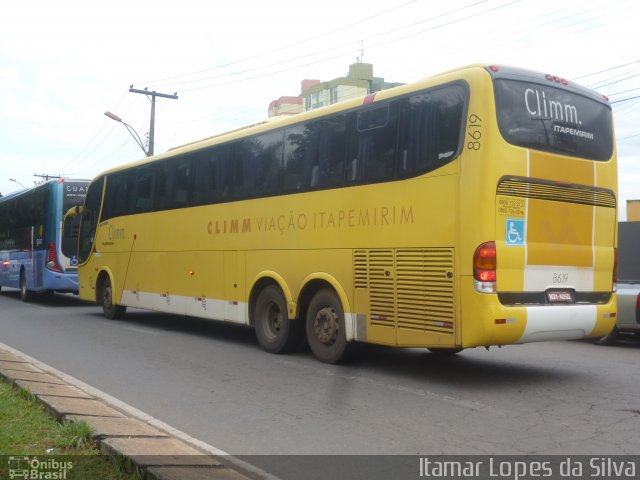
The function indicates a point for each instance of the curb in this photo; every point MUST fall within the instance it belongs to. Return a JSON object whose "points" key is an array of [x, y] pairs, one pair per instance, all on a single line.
{"points": [[156, 453]]}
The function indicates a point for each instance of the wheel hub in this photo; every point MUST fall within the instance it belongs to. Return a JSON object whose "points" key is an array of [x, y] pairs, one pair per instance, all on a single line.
{"points": [[327, 325], [274, 318]]}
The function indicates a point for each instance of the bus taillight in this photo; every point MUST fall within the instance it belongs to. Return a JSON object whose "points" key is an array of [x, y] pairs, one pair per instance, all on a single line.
{"points": [[616, 260], [555, 78], [484, 268], [52, 258]]}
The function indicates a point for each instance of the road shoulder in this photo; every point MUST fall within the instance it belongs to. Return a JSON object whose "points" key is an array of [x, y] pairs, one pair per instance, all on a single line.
{"points": [[121, 432]]}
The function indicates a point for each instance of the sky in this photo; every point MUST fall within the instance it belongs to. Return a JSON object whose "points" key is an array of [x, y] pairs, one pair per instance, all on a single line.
{"points": [[63, 64]]}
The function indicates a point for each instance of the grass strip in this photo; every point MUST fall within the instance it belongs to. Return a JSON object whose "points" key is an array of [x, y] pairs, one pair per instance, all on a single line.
{"points": [[30, 439]]}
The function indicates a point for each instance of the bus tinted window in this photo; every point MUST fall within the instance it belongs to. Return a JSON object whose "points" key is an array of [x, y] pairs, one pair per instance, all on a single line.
{"points": [[212, 176], [315, 154], [299, 152], [554, 120], [90, 219], [260, 158], [29, 209], [18, 215], [329, 168], [388, 140], [145, 177], [430, 125], [163, 186], [172, 184], [181, 183], [119, 197], [375, 144]]}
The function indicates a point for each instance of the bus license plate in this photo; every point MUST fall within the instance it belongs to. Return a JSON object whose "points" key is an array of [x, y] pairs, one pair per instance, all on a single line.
{"points": [[560, 296]]}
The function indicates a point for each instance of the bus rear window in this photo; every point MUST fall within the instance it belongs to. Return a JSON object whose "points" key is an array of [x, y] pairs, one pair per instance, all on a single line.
{"points": [[552, 119]]}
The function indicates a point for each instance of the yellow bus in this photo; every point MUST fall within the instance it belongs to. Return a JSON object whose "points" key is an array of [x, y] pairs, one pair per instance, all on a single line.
{"points": [[473, 208]]}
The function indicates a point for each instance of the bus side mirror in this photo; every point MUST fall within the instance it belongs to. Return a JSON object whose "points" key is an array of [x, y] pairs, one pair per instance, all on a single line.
{"points": [[73, 211], [70, 223]]}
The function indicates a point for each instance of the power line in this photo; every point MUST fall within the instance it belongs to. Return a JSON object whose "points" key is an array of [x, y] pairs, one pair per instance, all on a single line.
{"points": [[271, 72], [618, 81], [607, 70], [286, 47], [625, 99], [342, 47], [319, 52]]}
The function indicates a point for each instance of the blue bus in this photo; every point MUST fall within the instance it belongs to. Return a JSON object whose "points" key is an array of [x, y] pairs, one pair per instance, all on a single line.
{"points": [[35, 255]]}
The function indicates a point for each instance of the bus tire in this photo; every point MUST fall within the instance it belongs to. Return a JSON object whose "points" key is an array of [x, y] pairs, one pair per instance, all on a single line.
{"points": [[26, 295], [274, 331], [325, 328], [109, 309]]}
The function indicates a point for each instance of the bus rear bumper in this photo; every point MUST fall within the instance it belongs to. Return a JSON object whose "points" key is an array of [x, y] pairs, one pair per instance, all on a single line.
{"points": [[60, 282], [493, 323]]}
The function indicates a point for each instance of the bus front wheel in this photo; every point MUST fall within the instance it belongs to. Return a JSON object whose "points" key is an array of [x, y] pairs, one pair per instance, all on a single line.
{"points": [[109, 309], [25, 294], [275, 332], [326, 328]]}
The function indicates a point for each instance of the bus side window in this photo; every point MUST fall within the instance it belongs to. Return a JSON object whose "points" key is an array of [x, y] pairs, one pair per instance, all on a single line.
{"points": [[90, 218], [172, 184], [224, 173], [204, 181], [332, 148], [145, 178], [430, 126], [211, 176], [244, 173], [375, 144], [299, 158], [181, 184], [261, 164], [118, 198], [163, 187], [269, 163]]}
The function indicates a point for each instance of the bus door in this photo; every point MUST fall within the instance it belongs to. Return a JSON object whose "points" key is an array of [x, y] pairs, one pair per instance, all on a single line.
{"points": [[36, 258], [73, 195]]}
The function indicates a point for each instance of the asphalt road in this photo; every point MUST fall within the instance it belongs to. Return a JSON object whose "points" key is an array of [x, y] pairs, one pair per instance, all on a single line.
{"points": [[212, 381]]}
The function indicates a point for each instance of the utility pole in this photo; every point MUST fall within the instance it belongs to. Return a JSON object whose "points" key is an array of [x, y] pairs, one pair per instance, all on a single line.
{"points": [[45, 177], [152, 123]]}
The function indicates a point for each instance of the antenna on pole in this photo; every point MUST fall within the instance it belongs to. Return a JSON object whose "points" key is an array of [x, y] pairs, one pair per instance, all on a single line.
{"points": [[361, 57]]}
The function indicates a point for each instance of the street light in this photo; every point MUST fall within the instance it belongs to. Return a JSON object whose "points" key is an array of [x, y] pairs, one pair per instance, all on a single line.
{"points": [[133, 133], [16, 181]]}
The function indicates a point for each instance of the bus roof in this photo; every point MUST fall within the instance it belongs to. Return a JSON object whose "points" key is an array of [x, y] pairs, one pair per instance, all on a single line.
{"points": [[26, 190], [281, 122]]}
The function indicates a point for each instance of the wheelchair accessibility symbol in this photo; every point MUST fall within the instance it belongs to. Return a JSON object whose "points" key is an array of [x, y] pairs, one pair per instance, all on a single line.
{"points": [[515, 232]]}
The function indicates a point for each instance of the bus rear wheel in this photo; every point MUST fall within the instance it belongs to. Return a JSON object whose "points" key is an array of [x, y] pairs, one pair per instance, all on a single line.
{"points": [[275, 332], [109, 309], [25, 294], [325, 327]]}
